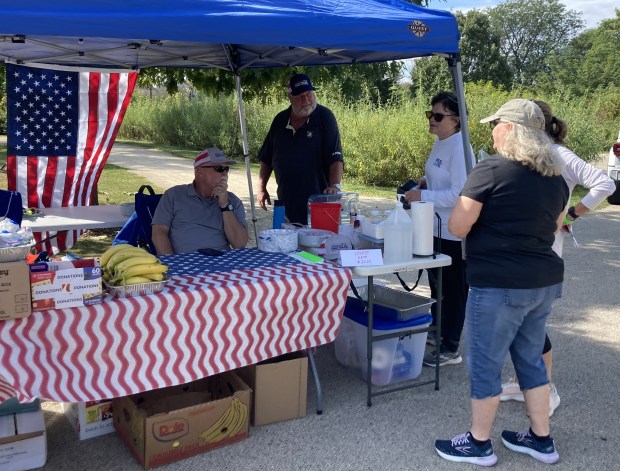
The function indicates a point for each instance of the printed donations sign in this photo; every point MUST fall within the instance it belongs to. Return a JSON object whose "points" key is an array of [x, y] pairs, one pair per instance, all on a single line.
{"points": [[56, 285]]}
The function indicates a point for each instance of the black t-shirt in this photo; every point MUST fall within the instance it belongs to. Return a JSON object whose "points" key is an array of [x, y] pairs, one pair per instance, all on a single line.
{"points": [[301, 159], [509, 246]]}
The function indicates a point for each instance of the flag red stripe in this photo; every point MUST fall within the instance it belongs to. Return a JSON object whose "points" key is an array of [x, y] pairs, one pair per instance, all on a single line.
{"points": [[11, 172], [32, 180], [69, 182], [48, 184]]}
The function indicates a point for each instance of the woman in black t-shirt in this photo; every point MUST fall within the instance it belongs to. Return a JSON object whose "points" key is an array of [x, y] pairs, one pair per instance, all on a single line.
{"points": [[508, 212]]}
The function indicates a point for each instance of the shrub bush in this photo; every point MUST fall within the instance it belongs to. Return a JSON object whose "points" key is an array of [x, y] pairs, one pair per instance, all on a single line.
{"points": [[383, 145]]}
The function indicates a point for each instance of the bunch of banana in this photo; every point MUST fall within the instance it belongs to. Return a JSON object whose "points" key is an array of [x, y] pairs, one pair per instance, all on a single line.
{"points": [[124, 264], [229, 424]]}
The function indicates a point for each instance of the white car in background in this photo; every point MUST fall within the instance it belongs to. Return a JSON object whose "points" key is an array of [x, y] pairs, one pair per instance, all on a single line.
{"points": [[613, 170]]}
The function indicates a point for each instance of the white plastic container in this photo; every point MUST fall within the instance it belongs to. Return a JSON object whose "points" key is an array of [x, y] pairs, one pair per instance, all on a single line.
{"points": [[277, 240], [373, 228], [393, 360], [397, 236]]}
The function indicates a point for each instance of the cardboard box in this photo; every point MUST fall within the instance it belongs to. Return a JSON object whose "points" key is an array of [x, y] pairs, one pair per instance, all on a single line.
{"points": [[90, 419], [23, 443], [280, 387], [65, 284], [14, 290], [166, 425]]}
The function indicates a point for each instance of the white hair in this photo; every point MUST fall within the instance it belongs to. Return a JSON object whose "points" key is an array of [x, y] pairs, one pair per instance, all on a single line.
{"points": [[533, 148]]}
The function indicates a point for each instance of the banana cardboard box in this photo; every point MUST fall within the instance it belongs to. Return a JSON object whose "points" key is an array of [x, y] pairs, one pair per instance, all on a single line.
{"points": [[166, 425], [57, 285]]}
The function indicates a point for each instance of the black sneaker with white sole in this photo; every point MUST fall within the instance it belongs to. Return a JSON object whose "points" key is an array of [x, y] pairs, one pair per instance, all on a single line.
{"points": [[445, 358]]}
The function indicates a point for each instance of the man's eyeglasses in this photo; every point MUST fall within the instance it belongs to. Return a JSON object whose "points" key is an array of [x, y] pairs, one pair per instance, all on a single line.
{"points": [[218, 168], [494, 123], [436, 116]]}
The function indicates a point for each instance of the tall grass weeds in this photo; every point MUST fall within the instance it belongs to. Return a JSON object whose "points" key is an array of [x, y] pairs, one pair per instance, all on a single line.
{"points": [[383, 144]]}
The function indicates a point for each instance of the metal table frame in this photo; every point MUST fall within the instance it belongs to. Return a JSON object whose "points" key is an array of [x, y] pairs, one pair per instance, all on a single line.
{"points": [[437, 261]]}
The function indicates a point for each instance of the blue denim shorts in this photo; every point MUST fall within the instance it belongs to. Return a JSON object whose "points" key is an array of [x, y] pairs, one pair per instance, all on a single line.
{"points": [[503, 320]]}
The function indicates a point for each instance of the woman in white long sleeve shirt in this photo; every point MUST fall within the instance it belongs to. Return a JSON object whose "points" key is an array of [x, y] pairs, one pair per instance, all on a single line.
{"points": [[576, 172], [445, 176]]}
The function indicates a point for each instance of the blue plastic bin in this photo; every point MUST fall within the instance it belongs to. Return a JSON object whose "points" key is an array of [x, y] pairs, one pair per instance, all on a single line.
{"points": [[393, 360]]}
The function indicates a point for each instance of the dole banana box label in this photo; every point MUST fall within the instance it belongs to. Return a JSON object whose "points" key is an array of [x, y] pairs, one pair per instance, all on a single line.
{"points": [[57, 285]]}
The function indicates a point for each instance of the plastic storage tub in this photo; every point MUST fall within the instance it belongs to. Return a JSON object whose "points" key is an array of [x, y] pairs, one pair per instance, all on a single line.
{"points": [[395, 305], [393, 360]]}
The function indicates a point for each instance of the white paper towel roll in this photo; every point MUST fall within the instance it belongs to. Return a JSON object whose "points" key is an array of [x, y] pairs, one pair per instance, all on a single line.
{"points": [[423, 217]]}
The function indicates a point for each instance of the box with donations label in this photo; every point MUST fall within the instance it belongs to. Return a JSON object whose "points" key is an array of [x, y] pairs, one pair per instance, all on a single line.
{"points": [[57, 285]]}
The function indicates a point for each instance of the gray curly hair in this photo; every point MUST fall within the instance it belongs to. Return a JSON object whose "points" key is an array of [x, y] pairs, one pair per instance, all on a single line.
{"points": [[533, 148]]}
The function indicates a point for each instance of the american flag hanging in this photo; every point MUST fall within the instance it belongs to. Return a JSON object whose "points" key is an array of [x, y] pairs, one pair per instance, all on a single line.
{"points": [[61, 124]]}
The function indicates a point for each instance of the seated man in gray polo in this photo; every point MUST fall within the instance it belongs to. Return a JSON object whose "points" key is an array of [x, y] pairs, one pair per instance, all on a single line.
{"points": [[203, 213]]}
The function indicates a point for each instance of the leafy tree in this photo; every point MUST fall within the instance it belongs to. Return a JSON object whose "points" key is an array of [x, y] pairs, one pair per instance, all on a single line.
{"points": [[373, 82], [480, 50], [481, 59], [530, 30], [589, 61]]}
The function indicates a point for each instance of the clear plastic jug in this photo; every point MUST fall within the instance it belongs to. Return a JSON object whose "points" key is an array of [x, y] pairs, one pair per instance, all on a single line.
{"points": [[397, 236]]}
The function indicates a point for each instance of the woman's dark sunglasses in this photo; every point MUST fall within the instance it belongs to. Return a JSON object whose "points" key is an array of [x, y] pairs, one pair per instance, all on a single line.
{"points": [[218, 168], [436, 116], [494, 123]]}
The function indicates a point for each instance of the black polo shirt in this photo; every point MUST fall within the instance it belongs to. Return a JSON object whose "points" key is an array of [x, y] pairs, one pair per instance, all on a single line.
{"points": [[301, 159]]}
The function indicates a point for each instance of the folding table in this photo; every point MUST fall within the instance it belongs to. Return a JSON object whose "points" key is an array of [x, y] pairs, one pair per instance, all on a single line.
{"points": [[418, 263]]}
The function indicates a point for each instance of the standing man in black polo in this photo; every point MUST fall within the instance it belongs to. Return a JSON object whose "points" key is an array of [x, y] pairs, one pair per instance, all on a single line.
{"points": [[303, 149]]}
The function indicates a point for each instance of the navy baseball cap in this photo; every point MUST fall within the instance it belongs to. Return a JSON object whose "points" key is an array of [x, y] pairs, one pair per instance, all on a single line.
{"points": [[299, 83]]}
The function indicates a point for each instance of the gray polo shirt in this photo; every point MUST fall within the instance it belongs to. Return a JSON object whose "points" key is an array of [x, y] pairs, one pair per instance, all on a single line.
{"points": [[195, 222]]}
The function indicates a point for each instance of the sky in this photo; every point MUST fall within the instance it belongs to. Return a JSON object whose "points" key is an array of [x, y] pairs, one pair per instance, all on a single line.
{"points": [[592, 11]]}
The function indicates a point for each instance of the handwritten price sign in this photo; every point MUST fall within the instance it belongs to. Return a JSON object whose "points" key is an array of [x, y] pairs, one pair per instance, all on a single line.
{"points": [[361, 258]]}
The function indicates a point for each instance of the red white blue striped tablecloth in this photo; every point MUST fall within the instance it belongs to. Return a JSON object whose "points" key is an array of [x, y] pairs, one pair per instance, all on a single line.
{"points": [[198, 326]]}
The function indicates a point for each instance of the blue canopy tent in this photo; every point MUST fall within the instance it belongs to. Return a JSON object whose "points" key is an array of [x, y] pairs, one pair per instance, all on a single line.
{"points": [[228, 34]]}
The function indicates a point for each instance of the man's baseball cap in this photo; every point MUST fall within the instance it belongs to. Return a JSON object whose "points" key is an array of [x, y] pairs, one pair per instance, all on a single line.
{"points": [[519, 111], [211, 155], [298, 84]]}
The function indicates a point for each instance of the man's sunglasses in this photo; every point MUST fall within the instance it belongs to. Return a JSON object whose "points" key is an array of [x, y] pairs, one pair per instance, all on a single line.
{"points": [[494, 123], [218, 168], [436, 116]]}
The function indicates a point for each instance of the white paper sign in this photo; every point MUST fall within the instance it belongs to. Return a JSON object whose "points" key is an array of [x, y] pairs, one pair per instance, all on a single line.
{"points": [[361, 258]]}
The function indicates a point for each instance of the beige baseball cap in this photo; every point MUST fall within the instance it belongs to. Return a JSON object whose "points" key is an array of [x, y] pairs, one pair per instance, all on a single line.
{"points": [[519, 111]]}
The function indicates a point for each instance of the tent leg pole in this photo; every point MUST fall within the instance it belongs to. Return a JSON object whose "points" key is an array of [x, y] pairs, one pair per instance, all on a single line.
{"points": [[246, 152], [454, 62]]}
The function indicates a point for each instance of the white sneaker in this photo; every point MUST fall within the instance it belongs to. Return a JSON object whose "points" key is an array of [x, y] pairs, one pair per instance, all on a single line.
{"points": [[554, 399], [511, 392]]}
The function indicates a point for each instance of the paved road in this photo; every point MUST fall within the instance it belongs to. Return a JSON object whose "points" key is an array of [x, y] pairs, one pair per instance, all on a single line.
{"points": [[398, 431]]}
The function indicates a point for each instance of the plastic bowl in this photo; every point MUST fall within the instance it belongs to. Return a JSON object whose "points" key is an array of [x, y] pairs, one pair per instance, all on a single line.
{"points": [[277, 240]]}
